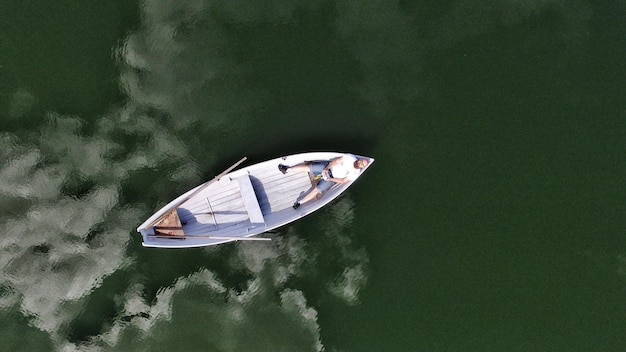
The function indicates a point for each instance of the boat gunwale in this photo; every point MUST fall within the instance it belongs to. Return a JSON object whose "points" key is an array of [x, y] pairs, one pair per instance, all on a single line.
{"points": [[274, 219]]}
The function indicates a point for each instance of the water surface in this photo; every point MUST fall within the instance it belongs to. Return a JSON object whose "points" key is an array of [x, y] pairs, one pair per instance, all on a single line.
{"points": [[492, 219]]}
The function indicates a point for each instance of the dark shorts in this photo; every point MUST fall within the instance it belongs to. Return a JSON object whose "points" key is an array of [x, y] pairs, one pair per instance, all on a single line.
{"points": [[316, 169]]}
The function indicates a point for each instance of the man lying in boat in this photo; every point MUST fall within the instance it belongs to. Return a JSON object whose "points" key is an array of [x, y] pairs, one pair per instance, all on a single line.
{"points": [[343, 169]]}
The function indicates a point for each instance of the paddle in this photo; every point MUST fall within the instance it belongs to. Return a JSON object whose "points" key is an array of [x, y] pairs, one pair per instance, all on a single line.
{"points": [[234, 238], [176, 205]]}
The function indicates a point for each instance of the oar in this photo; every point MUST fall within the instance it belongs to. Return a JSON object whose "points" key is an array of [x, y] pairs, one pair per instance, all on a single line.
{"points": [[234, 238], [176, 205]]}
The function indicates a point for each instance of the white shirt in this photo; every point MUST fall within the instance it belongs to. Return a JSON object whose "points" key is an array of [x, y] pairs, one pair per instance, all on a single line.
{"points": [[345, 168]]}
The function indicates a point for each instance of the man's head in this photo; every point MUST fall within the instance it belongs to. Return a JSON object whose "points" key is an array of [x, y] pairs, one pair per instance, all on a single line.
{"points": [[361, 163]]}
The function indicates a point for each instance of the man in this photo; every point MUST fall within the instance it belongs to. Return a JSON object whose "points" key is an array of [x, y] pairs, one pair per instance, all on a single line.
{"points": [[343, 169]]}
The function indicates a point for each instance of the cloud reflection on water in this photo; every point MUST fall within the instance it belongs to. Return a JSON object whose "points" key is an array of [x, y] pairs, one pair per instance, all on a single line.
{"points": [[65, 229]]}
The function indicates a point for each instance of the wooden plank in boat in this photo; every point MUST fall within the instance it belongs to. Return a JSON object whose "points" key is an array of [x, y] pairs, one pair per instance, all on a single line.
{"points": [[170, 225], [250, 200]]}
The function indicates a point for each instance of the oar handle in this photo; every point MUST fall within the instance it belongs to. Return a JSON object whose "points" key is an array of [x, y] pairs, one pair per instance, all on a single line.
{"points": [[216, 178], [233, 238]]}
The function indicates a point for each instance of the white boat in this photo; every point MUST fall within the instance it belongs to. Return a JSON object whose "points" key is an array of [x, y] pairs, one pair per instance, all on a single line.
{"points": [[237, 205]]}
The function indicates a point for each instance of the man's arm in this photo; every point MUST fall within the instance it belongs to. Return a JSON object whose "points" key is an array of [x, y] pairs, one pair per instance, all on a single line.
{"points": [[339, 180], [333, 162]]}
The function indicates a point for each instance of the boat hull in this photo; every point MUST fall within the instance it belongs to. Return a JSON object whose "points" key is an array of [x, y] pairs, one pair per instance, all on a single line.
{"points": [[239, 205]]}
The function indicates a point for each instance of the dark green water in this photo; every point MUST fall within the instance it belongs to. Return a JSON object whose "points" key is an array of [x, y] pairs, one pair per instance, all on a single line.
{"points": [[492, 220]]}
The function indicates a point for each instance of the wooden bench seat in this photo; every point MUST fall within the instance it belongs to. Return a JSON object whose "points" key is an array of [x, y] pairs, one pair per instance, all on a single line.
{"points": [[250, 200]]}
